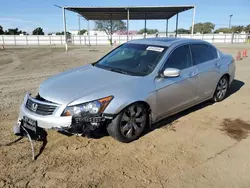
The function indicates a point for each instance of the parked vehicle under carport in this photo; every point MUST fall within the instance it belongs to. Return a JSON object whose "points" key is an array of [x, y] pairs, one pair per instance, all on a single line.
{"points": [[136, 84]]}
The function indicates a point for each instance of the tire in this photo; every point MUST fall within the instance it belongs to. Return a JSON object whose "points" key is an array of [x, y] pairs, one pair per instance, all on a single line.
{"points": [[129, 123], [221, 89]]}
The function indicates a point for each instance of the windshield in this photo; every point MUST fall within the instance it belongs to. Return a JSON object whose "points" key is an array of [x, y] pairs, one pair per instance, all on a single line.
{"points": [[132, 59]]}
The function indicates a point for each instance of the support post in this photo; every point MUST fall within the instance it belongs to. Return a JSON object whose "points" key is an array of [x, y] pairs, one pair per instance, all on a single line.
{"points": [[111, 29], [192, 31], [145, 26], [167, 28], [127, 24], [15, 40], [3, 40], [88, 33], [65, 30], [230, 19], [79, 29], [176, 27], [26, 40], [232, 38]]}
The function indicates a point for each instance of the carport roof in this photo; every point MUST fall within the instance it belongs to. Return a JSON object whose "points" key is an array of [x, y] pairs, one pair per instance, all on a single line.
{"points": [[135, 12]]}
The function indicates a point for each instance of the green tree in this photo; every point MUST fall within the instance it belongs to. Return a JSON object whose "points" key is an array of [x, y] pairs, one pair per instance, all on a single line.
{"points": [[38, 31], [1, 30], [25, 33], [223, 30], [82, 31], [62, 33], [105, 25], [14, 31], [203, 28], [247, 28], [148, 31], [183, 31], [238, 29]]}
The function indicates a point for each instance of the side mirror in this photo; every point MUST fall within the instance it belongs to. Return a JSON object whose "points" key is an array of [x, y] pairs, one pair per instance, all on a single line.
{"points": [[171, 72]]}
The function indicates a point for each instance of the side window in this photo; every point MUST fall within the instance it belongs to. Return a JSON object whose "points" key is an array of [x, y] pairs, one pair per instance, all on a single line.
{"points": [[214, 52], [202, 53], [180, 58]]}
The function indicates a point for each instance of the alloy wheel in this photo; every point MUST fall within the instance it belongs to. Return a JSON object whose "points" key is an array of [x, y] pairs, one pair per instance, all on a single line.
{"points": [[133, 121], [221, 89]]}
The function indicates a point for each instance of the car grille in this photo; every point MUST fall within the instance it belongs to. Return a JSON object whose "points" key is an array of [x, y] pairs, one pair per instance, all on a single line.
{"points": [[41, 109]]}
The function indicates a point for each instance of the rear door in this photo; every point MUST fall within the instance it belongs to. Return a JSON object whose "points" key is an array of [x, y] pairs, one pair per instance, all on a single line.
{"points": [[179, 92], [206, 59]]}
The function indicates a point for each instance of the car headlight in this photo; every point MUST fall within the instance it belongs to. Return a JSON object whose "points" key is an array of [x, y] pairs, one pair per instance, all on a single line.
{"points": [[93, 107]]}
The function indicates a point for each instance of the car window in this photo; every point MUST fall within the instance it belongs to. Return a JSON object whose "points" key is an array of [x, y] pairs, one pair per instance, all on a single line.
{"points": [[133, 59], [122, 55], [202, 53], [180, 58]]}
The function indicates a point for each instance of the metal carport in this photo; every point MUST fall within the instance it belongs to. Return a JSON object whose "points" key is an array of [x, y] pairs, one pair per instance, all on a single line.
{"points": [[129, 13]]}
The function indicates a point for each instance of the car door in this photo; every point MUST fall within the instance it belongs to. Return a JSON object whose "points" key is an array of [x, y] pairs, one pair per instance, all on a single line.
{"points": [[175, 93], [207, 61]]}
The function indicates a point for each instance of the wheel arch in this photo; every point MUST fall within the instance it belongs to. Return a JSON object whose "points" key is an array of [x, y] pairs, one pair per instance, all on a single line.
{"points": [[147, 106], [227, 75]]}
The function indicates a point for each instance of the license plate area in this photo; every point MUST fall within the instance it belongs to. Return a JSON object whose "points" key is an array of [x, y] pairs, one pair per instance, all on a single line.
{"points": [[29, 124]]}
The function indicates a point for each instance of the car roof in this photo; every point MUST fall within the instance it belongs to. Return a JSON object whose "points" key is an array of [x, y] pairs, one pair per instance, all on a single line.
{"points": [[166, 41]]}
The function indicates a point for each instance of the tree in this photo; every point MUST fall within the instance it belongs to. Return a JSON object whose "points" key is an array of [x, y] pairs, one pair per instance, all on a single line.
{"points": [[15, 31], [223, 30], [203, 28], [1, 30], [62, 33], [148, 31], [38, 31], [82, 31], [238, 29], [105, 25], [183, 31], [247, 29]]}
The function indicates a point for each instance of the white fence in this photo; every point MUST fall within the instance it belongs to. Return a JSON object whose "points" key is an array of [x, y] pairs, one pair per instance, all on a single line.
{"points": [[104, 40]]}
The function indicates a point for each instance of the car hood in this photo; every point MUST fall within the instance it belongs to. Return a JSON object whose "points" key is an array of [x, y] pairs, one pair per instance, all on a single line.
{"points": [[74, 84]]}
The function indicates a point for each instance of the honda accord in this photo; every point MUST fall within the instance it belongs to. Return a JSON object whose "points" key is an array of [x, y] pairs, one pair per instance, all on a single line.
{"points": [[136, 84]]}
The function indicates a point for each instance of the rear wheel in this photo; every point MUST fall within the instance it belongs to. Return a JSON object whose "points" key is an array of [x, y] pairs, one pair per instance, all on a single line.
{"points": [[129, 124], [221, 89]]}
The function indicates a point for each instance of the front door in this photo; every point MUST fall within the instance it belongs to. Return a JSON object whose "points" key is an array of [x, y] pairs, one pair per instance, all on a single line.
{"points": [[175, 93]]}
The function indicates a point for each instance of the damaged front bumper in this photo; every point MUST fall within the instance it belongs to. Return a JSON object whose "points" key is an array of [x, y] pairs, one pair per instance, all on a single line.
{"points": [[70, 124]]}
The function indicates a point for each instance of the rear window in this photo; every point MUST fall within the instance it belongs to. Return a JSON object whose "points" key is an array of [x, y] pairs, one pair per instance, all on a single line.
{"points": [[202, 53]]}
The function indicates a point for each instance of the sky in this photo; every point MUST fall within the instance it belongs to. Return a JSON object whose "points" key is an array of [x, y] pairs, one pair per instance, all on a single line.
{"points": [[29, 14]]}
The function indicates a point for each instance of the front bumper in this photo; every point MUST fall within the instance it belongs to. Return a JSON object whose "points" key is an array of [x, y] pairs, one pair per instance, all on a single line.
{"points": [[46, 122], [61, 123]]}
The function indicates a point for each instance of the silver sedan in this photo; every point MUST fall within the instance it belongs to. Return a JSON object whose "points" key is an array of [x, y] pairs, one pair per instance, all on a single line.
{"points": [[133, 86]]}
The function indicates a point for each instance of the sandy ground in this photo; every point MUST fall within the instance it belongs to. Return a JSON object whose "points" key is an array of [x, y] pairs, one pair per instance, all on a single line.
{"points": [[205, 146]]}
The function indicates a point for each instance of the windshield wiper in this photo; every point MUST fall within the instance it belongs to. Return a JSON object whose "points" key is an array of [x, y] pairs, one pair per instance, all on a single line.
{"points": [[113, 69], [119, 71]]}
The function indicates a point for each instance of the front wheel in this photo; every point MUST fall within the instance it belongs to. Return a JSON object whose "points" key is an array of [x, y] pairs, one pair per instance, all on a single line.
{"points": [[129, 123], [221, 89]]}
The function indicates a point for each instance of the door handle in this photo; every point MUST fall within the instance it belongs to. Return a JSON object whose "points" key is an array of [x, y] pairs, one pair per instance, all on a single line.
{"points": [[192, 74]]}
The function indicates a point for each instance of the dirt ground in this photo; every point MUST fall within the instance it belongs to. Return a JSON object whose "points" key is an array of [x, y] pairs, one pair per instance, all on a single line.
{"points": [[205, 146]]}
